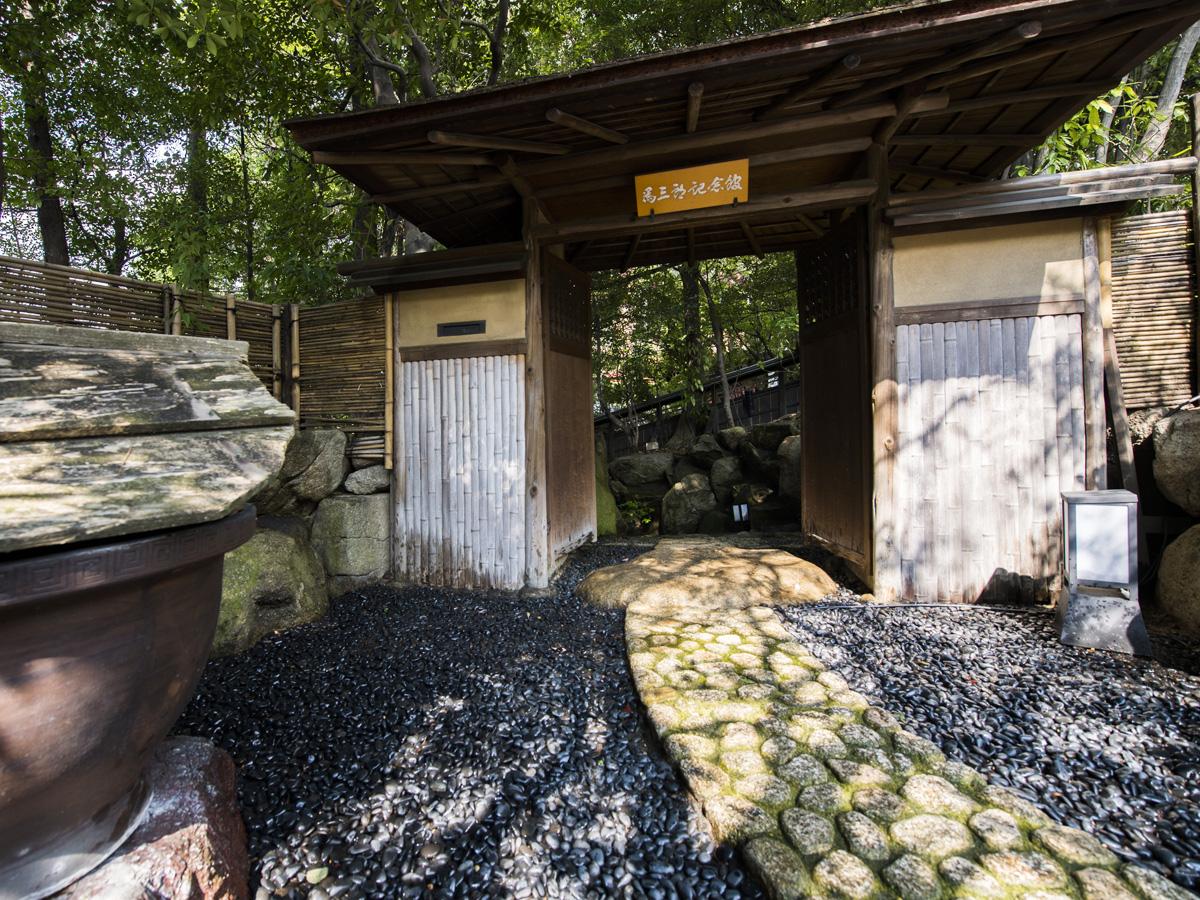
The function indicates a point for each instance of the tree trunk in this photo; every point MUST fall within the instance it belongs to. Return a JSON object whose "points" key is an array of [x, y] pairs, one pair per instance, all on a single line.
{"points": [[50, 216], [693, 350], [718, 329], [496, 43], [248, 209], [115, 264], [3, 170], [197, 197], [1156, 135], [1106, 122]]}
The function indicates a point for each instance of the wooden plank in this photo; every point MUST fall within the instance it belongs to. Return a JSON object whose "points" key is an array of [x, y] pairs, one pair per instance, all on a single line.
{"points": [[1021, 207], [1092, 351], [975, 310], [462, 350], [496, 142], [537, 528], [399, 158]]}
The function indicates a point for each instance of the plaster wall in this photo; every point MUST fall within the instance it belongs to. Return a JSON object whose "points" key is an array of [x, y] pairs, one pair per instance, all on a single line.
{"points": [[501, 304], [1035, 260]]}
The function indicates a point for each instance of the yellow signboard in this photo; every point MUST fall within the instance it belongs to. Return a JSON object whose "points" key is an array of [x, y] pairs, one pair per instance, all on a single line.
{"points": [[715, 184]]}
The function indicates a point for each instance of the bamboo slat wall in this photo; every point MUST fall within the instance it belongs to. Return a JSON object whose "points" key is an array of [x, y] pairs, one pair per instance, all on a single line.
{"points": [[343, 365], [460, 511], [41, 294], [1154, 297], [991, 432]]}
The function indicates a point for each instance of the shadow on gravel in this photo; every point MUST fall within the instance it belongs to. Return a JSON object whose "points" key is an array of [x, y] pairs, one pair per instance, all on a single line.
{"points": [[455, 743]]}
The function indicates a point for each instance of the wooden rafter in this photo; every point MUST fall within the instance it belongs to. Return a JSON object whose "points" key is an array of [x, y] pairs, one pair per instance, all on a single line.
{"points": [[584, 126], [962, 140], [936, 174], [808, 222], [695, 96], [627, 261], [508, 168], [1048, 92], [399, 158], [495, 142], [810, 87], [751, 238], [483, 182]]}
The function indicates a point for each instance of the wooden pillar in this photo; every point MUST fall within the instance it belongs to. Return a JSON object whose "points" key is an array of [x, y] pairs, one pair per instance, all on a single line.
{"points": [[276, 351], [1095, 440], [294, 355], [1195, 110], [176, 323], [231, 317], [389, 402], [885, 414], [396, 458], [537, 525]]}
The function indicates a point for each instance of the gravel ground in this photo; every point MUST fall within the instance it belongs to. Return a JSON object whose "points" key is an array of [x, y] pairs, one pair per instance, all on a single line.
{"points": [[426, 742], [1103, 742]]}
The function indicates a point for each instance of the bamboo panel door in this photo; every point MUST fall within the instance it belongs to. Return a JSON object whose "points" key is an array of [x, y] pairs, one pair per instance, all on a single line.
{"points": [[570, 448], [834, 394]]}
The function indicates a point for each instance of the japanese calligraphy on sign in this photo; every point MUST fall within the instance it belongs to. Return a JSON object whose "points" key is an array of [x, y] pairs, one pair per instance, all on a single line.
{"points": [[715, 184]]}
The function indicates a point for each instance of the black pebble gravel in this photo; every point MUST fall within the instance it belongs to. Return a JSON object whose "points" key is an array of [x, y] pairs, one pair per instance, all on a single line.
{"points": [[1100, 741], [425, 742]]}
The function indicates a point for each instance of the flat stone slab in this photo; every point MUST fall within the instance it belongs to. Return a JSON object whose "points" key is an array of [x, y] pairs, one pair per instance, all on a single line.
{"points": [[825, 795], [710, 572]]}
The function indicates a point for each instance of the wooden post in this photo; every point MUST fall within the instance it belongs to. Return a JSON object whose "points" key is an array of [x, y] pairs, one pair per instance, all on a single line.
{"points": [[885, 415], [231, 317], [537, 525], [1095, 440], [294, 355], [1195, 110], [168, 304], [389, 402], [176, 311], [276, 352]]}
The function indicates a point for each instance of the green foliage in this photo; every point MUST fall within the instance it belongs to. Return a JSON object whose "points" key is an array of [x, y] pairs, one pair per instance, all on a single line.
{"points": [[637, 517]]}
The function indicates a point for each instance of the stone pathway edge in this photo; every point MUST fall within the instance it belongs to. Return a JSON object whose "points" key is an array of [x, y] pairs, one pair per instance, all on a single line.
{"points": [[826, 796]]}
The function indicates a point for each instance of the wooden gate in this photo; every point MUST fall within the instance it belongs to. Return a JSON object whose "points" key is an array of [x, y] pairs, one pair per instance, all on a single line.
{"points": [[834, 396]]}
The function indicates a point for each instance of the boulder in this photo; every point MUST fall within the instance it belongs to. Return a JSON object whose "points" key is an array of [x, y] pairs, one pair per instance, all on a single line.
{"points": [[685, 503], [313, 468], [642, 468], [685, 466], [715, 521], [725, 473], [1142, 422], [606, 503], [732, 438], [705, 571], [371, 480], [752, 493], [272, 582], [769, 435], [683, 437], [654, 491], [759, 462], [706, 451], [1179, 580], [789, 467], [191, 842], [1177, 459], [352, 535]]}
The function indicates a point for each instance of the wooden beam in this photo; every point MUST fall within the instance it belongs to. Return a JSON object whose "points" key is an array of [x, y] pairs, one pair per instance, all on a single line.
{"points": [[691, 246], [508, 168], [1058, 192], [885, 422], [963, 140], [751, 238], [495, 142], [399, 158], [1049, 92], [577, 251], [1095, 426], [935, 173], [770, 158], [810, 87], [1023, 32], [908, 97], [827, 196], [735, 135], [695, 96], [812, 226], [907, 219], [627, 261], [1162, 167], [583, 126], [487, 180]]}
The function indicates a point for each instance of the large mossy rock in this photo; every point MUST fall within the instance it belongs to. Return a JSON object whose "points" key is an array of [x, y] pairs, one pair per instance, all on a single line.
{"points": [[769, 435], [370, 480], [686, 503], [272, 582], [706, 450], [789, 453], [732, 438], [642, 468], [352, 535], [1179, 580], [1177, 459], [706, 571], [724, 475], [606, 503], [313, 469]]}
